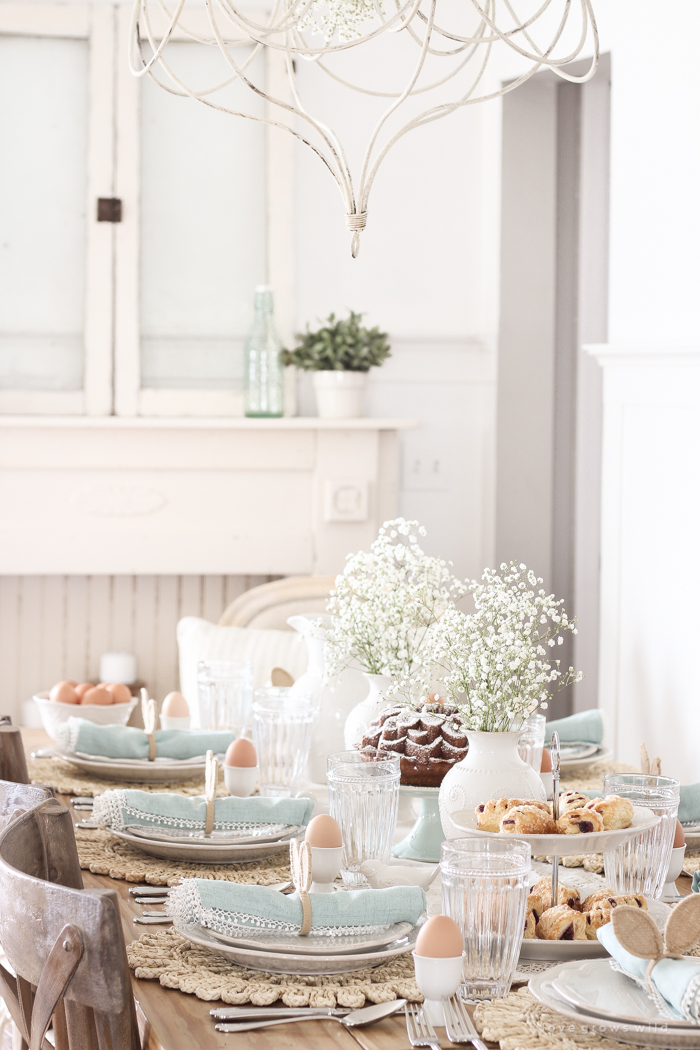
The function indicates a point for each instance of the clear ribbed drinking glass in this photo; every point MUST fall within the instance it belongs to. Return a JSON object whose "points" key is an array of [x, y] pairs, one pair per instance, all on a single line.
{"points": [[225, 694], [363, 796], [531, 741], [282, 725], [484, 889], [640, 865]]}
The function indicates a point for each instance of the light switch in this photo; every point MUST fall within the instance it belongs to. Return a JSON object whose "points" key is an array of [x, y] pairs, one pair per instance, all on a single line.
{"points": [[345, 500]]}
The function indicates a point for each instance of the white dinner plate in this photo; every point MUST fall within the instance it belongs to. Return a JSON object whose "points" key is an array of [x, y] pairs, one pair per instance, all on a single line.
{"points": [[572, 765], [576, 750], [535, 950], [205, 853], [565, 845], [265, 833], [136, 770], [595, 988], [646, 1031], [315, 944], [295, 963]]}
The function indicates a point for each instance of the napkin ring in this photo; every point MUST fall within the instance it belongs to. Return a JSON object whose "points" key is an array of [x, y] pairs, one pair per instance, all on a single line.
{"points": [[300, 865], [148, 710], [210, 779]]}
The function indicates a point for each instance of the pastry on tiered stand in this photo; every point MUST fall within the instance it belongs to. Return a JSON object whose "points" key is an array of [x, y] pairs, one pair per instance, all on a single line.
{"points": [[429, 738]]}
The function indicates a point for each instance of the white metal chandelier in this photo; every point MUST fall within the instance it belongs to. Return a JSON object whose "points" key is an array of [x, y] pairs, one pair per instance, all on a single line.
{"points": [[317, 31]]}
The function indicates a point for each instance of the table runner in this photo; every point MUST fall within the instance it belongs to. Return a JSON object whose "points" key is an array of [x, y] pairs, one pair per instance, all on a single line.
{"points": [[168, 957]]}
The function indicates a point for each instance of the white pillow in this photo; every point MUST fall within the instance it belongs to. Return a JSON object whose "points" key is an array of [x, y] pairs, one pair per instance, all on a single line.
{"points": [[200, 640]]}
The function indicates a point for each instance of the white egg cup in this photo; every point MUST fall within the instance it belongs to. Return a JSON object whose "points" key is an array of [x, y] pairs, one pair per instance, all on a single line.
{"points": [[240, 780], [670, 891], [325, 867], [437, 979], [168, 722]]}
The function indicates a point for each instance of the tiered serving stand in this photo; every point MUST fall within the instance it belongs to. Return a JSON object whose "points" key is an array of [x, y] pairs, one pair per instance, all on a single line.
{"points": [[556, 846]]}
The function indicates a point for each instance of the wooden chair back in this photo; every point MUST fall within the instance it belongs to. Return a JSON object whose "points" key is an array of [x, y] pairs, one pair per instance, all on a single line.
{"points": [[13, 764], [269, 605], [65, 943]]}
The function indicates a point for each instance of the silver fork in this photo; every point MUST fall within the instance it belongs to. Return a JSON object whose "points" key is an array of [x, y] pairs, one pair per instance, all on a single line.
{"points": [[459, 1025], [419, 1029]]}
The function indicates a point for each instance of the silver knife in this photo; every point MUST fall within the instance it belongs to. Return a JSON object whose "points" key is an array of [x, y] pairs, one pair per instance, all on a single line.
{"points": [[149, 891], [259, 1013]]}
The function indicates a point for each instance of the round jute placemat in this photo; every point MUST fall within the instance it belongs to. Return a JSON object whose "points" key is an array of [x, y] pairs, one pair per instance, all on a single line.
{"points": [[67, 779], [167, 957], [519, 1022], [102, 853]]}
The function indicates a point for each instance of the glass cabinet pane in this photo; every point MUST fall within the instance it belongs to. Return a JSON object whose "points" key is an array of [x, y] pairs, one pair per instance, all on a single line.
{"points": [[203, 225], [43, 141]]}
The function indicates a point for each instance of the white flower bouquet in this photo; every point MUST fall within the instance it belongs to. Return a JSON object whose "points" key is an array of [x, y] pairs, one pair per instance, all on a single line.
{"points": [[385, 603], [494, 663]]}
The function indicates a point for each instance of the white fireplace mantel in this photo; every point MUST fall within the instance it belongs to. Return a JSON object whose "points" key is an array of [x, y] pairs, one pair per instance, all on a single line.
{"points": [[113, 495]]}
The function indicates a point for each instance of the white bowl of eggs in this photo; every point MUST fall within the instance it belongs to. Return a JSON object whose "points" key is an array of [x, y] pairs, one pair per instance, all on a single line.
{"points": [[105, 704]]}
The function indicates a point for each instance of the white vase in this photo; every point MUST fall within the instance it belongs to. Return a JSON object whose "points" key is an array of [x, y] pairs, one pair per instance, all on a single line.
{"points": [[339, 395], [367, 710], [492, 768], [334, 702]]}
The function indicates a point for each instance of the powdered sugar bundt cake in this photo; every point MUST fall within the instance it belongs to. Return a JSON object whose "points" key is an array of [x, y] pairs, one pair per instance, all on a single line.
{"points": [[430, 738]]}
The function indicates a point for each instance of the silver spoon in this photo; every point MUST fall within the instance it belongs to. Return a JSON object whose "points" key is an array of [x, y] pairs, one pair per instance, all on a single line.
{"points": [[355, 1019]]}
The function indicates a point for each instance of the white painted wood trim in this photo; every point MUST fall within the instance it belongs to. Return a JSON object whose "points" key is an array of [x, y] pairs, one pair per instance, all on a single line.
{"points": [[127, 335], [61, 20], [280, 200], [27, 403], [99, 290], [643, 353], [195, 423], [178, 403]]}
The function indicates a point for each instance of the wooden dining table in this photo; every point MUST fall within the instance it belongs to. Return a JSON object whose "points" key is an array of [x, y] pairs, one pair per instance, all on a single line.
{"points": [[172, 1020]]}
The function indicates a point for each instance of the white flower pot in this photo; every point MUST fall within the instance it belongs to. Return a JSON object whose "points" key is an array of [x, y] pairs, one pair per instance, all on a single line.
{"points": [[367, 710], [339, 395], [492, 769]]}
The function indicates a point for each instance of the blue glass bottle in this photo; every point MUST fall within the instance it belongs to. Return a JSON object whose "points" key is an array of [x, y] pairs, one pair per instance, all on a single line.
{"points": [[264, 371]]}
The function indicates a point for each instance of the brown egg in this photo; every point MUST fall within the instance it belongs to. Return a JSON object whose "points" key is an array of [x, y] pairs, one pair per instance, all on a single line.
{"points": [[97, 695], [324, 831], [121, 694], [82, 689], [175, 706], [546, 763], [679, 838], [64, 693], [440, 938], [240, 753]]}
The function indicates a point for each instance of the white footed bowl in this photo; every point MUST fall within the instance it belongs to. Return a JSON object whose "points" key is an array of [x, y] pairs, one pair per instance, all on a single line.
{"points": [[54, 714]]}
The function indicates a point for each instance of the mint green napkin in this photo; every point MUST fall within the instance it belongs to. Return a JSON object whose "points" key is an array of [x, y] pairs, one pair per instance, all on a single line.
{"points": [[116, 809], [78, 736], [677, 981], [585, 725], [689, 806], [230, 907]]}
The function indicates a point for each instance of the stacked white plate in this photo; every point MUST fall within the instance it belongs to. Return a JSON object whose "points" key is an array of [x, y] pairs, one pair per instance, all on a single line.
{"points": [[221, 847], [275, 952], [692, 834], [610, 1004], [578, 754], [137, 770]]}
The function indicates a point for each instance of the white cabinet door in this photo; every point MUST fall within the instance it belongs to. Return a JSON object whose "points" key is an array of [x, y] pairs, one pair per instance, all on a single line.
{"points": [[55, 259]]}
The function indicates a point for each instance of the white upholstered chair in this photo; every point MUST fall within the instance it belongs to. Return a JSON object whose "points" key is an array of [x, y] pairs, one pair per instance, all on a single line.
{"points": [[269, 605]]}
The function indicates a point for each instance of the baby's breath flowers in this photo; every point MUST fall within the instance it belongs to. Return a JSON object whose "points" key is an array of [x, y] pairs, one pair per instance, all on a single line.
{"points": [[385, 602], [495, 663], [344, 17]]}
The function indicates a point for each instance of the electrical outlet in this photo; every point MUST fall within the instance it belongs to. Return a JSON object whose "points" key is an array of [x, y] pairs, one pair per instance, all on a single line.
{"points": [[424, 470], [346, 500]]}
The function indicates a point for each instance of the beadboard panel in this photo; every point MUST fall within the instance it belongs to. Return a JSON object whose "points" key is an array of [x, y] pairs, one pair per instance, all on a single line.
{"points": [[55, 627]]}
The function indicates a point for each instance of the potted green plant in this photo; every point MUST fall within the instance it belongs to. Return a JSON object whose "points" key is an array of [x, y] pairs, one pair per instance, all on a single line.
{"points": [[340, 354]]}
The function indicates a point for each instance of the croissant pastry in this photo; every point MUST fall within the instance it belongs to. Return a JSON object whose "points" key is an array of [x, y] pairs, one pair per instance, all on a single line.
{"points": [[527, 820], [565, 895], [616, 812], [562, 924], [579, 822], [571, 800]]}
